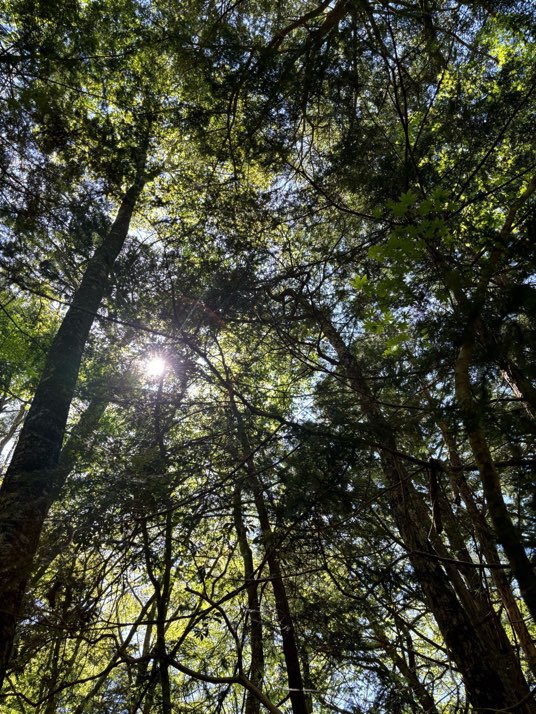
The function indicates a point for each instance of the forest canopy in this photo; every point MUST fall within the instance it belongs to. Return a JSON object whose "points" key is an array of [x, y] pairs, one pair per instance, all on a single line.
{"points": [[267, 375]]}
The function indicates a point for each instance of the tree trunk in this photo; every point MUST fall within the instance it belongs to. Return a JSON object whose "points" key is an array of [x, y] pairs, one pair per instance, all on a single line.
{"points": [[31, 481], [490, 680], [505, 530], [79, 440], [489, 550], [256, 674], [284, 615]]}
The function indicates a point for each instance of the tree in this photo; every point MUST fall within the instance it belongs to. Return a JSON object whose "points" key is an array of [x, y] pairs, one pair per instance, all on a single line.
{"points": [[323, 500]]}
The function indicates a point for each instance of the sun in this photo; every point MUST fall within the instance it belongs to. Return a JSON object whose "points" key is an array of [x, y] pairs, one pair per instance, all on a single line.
{"points": [[155, 366]]}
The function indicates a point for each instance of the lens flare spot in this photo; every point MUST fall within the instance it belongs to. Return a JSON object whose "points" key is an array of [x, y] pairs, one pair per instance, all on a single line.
{"points": [[155, 366]]}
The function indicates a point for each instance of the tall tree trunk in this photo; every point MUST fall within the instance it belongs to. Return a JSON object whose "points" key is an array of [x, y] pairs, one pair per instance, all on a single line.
{"points": [[31, 481], [78, 441], [491, 681], [503, 525], [484, 536], [162, 601], [475, 596], [489, 550], [256, 674], [284, 614], [162, 585]]}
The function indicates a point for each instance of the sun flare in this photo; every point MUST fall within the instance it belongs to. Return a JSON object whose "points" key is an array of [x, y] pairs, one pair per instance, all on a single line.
{"points": [[155, 366]]}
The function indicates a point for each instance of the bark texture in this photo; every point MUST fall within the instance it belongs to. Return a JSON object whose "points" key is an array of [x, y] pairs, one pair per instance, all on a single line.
{"points": [[32, 479]]}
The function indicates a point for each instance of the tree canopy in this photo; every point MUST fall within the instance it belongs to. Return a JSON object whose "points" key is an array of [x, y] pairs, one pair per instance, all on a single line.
{"points": [[267, 376]]}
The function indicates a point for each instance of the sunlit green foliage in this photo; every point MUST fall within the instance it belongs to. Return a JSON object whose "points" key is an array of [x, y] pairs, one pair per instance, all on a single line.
{"points": [[339, 200]]}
